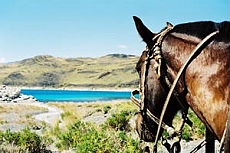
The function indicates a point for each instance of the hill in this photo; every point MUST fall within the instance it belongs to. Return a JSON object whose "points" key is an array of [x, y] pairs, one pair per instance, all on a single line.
{"points": [[110, 71]]}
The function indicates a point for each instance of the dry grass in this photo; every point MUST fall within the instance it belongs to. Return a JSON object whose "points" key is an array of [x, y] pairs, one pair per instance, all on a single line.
{"points": [[20, 114], [78, 111], [10, 148], [70, 113], [17, 108]]}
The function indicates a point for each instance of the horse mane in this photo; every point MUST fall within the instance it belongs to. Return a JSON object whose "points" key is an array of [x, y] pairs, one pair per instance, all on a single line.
{"points": [[199, 30]]}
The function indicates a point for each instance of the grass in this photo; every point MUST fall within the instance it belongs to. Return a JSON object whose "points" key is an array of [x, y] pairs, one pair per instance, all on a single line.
{"points": [[70, 113], [88, 137], [17, 108], [77, 111], [20, 115], [196, 132], [2, 121], [106, 109], [114, 135], [78, 72], [119, 121], [25, 140], [198, 129]]}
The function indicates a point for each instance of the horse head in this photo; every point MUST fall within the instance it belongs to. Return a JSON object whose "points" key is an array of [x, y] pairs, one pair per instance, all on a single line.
{"points": [[155, 92]]}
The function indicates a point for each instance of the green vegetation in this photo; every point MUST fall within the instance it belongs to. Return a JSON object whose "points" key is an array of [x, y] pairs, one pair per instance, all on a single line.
{"points": [[106, 109], [87, 137], [112, 136], [119, 121], [197, 131], [70, 113], [26, 140], [115, 135], [111, 71]]}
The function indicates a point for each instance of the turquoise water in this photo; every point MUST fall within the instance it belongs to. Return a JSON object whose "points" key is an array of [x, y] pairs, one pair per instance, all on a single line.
{"points": [[76, 96]]}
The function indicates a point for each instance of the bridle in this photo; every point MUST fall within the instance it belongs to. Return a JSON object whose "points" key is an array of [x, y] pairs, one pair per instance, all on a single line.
{"points": [[156, 53]]}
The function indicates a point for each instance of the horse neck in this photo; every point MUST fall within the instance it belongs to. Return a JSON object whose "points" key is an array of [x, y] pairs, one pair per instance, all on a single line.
{"points": [[174, 59], [176, 51], [199, 75]]}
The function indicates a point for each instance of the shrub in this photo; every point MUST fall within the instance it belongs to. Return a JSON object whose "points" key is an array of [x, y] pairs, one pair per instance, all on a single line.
{"points": [[106, 109], [56, 129], [87, 137], [187, 133], [197, 130], [65, 114], [25, 139], [119, 121]]}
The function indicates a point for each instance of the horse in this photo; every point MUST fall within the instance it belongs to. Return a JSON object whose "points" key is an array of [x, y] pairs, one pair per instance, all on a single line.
{"points": [[204, 86]]}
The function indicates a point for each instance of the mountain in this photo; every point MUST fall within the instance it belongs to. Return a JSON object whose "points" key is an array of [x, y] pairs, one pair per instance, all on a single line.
{"points": [[110, 71]]}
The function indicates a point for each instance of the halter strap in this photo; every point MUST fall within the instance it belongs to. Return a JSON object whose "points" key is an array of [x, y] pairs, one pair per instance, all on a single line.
{"points": [[154, 52]]}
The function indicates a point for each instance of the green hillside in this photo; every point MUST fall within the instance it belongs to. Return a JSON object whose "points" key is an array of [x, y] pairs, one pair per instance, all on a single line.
{"points": [[111, 71]]}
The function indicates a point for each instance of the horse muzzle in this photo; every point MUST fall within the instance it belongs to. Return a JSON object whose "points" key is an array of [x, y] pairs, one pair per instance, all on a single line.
{"points": [[144, 131]]}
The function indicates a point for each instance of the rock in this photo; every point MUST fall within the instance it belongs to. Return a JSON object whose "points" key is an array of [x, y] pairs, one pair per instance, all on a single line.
{"points": [[36, 127], [14, 95]]}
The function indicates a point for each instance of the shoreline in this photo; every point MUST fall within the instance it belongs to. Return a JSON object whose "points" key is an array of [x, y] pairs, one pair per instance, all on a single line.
{"points": [[17, 96], [93, 102], [78, 89]]}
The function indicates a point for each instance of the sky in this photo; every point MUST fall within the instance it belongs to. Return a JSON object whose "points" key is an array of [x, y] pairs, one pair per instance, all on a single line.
{"points": [[92, 28]]}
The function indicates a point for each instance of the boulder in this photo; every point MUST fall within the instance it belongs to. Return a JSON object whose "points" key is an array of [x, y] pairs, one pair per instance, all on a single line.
{"points": [[14, 95]]}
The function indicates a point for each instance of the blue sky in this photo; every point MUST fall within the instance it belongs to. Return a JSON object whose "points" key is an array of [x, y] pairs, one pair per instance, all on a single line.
{"points": [[91, 28]]}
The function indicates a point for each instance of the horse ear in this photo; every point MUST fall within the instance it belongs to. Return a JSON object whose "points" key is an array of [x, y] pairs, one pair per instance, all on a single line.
{"points": [[143, 31], [169, 25]]}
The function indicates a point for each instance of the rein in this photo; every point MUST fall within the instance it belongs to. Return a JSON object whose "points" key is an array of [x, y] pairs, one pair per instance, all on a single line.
{"points": [[156, 54]]}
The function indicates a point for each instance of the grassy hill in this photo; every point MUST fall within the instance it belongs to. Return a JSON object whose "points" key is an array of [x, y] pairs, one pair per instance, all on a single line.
{"points": [[111, 71]]}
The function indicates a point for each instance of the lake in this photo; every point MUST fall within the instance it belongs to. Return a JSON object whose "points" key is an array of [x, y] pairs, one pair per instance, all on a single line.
{"points": [[76, 96]]}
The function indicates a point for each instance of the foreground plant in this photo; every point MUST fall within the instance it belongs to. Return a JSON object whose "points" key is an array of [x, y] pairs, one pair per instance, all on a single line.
{"points": [[25, 141], [87, 137]]}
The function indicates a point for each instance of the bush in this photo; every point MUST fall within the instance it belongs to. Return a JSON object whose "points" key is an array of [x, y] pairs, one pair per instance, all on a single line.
{"points": [[65, 114], [197, 130], [119, 121], [25, 139], [106, 109], [87, 137]]}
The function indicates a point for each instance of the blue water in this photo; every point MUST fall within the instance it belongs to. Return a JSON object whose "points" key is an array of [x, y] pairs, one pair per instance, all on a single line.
{"points": [[76, 96]]}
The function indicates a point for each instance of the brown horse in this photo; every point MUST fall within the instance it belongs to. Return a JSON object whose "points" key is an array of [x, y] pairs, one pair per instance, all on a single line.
{"points": [[204, 86]]}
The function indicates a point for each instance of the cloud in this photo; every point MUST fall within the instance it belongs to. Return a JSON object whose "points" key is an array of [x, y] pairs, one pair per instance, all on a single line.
{"points": [[122, 46], [2, 60]]}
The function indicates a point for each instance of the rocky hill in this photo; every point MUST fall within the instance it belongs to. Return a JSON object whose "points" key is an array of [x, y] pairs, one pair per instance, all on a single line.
{"points": [[110, 71]]}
